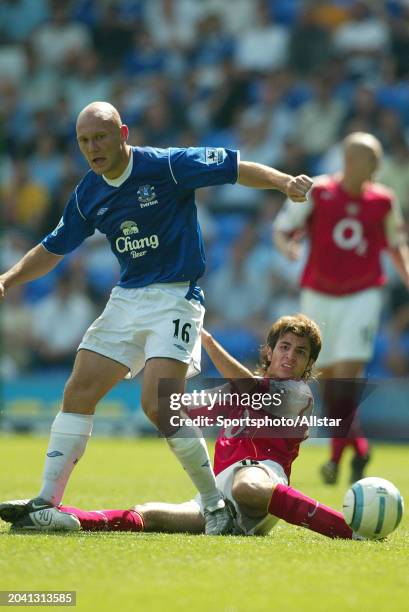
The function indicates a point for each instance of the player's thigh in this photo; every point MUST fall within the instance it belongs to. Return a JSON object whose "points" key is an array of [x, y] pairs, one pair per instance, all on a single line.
{"points": [[348, 324], [251, 489], [92, 377], [320, 308], [175, 327], [119, 333], [171, 518], [161, 378], [263, 475], [358, 319]]}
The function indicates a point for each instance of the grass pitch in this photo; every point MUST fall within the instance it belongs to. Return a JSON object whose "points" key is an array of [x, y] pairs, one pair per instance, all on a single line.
{"points": [[290, 569]]}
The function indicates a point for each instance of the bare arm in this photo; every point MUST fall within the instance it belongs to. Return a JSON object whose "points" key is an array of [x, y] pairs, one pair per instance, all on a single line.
{"points": [[34, 264], [264, 177], [288, 246], [224, 362]]}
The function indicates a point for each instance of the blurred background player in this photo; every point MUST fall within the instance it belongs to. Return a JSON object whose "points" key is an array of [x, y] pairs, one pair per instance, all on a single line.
{"points": [[142, 200], [252, 472], [349, 221]]}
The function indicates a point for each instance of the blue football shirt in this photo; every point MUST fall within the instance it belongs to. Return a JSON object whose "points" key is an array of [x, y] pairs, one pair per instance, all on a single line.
{"points": [[150, 216]]}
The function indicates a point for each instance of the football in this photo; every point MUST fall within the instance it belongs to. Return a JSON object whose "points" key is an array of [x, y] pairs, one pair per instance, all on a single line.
{"points": [[373, 507]]}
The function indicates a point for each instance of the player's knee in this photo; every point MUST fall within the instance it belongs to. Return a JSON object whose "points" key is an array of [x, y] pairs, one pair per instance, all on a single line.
{"points": [[149, 514], [248, 493], [150, 408], [80, 395]]}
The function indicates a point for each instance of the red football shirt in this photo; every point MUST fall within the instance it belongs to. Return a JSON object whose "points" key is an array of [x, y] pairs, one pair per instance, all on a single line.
{"points": [[347, 235], [277, 444]]}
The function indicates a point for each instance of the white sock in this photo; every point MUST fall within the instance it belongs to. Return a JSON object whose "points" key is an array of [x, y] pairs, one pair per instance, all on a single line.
{"points": [[190, 448], [68, 439]]}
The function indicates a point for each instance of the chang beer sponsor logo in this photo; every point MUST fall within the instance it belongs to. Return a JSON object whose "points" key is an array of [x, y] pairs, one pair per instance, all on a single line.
{"points": [[134, 244]]}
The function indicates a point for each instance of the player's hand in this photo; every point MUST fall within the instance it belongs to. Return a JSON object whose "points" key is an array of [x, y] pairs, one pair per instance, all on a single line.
{"points": [[297, 188], [293, 250], [2, 290]]}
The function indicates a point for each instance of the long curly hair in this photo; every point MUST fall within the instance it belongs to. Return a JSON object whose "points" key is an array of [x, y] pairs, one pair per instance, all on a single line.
{"points": [[298, 324]]}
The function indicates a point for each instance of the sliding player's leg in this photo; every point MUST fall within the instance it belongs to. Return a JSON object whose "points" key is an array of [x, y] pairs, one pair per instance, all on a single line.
{"points": [[260, 495], [186, 442], [152, 516], [92, 377], [172, 518]]}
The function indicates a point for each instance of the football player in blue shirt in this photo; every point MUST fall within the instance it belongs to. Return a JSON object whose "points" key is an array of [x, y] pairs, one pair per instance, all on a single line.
{"points": [[143, 200]]}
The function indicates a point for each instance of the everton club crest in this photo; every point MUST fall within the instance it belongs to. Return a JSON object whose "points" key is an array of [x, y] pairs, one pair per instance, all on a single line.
{"points": [[146, 195]]}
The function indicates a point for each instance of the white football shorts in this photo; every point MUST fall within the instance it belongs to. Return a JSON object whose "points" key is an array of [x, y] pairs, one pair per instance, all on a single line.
{"points": [[348, 323], [153, 321], [244, 524]]}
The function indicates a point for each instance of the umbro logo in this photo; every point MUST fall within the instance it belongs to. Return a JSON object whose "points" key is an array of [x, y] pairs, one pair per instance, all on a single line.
{"points": [[102, 211], [181, 348], [55, 454]]}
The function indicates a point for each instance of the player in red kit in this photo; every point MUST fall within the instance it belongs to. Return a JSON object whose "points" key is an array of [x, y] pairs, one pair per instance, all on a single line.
{"points": [[252, 472], [349, 221]]}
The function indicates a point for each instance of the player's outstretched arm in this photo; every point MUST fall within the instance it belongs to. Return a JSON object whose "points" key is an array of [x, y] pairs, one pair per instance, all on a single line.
{"points": [[259, 176], [34, 264], [289, 247], [224, 362]]}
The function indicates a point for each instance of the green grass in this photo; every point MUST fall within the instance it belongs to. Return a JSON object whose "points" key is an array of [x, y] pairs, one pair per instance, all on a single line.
{"points": [[290, 569]]}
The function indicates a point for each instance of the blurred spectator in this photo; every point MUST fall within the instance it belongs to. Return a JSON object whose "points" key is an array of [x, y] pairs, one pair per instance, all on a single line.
{"points": [[309, 43], [395, 172], [26, 201], [293, 158], [46, 164], [236, 294], [18, 18], [319, 120], [159, 125], [399, 24], [172, 23], [17, 326], [14, 244], [363, 40], [87, 83], [59, 321], [144, 57], [112, 38], [59, 38], [329, 14], [263, 46], [41, 83], [13, 64], [100, 267], [363, 108]]}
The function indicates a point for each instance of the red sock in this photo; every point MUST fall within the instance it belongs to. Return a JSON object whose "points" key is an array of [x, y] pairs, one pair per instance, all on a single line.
{"points": [[106, 520], [361, 446], [296, 508], [338, 445]]}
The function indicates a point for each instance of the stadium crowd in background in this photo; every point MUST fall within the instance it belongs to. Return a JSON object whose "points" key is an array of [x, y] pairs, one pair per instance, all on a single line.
{"points": [[282, 80]]}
